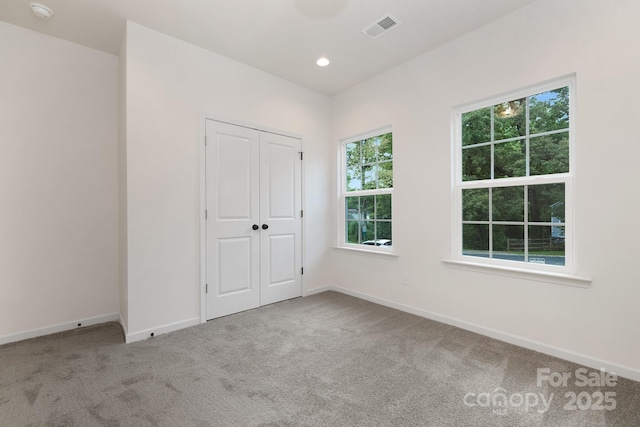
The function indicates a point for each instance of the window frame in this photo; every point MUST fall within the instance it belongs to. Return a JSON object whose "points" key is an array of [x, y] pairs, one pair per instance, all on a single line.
{"points": [[566, 178], [343, 194]]}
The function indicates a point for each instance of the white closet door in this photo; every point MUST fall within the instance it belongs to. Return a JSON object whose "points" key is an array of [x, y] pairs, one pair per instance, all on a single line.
{"points": [[233, 208], [280, 211], [254, 225]]}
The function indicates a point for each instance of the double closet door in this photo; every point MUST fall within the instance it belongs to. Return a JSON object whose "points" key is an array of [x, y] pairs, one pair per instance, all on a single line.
{"points": [[253, 225]]}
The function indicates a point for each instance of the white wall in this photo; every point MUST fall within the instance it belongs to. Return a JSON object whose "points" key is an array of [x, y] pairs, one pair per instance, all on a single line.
{"points": [[58, 183], [170, 83], [598, 41]]}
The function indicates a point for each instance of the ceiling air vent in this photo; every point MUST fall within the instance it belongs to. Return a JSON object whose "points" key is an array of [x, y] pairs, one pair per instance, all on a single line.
{"points": [[381, 26]]}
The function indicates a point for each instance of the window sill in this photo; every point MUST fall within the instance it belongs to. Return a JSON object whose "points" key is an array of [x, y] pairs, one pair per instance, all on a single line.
{"points": [[367, 252], [538, 276]]}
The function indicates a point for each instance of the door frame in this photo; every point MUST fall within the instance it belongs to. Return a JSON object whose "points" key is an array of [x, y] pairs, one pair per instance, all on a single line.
{"points": [[203, 199]]}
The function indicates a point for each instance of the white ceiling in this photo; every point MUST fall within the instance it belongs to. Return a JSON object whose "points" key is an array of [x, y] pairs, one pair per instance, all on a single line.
{"points": [[281, 37]]}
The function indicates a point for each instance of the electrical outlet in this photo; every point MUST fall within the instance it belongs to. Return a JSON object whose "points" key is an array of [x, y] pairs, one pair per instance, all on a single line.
{"points": [[405, 279]]}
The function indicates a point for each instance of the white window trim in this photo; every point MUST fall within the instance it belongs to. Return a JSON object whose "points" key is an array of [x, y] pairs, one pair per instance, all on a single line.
{"points": [[520, 273], [375, 251], [342, 194], [557, 274]]}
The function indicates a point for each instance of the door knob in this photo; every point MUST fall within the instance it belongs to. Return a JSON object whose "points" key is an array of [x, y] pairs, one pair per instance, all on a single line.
{"points": [[265, 226], [255, 226]]}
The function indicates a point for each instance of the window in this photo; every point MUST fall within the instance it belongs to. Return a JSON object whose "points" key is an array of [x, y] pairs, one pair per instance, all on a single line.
{"points": [[514, 179], [367, 172]]}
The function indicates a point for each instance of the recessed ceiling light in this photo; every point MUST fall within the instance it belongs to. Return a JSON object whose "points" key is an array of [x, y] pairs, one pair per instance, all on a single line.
{"points": [[322, 62], [40, 10]]}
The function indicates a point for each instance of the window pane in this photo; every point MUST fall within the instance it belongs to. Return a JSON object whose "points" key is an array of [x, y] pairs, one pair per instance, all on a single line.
{"points": [[509, 119], [368, 232], [475, 204], [386, 147], [557, 237], [549, 154], [352, 208], [508, 242], [508, 203], [383, 232], [549, 111], [367, 207], [353, 155], [546, 203], [383, 206], [510, 159], [476, 126], [354, 179], [476, 163], [546, 245], [475, 240], [368, 166], [385, 175], [352, 231], [505, 144], [370, 174], [370, 150]]}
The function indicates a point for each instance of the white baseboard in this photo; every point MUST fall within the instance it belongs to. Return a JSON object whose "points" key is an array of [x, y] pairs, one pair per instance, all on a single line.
{"points": [[144, 334], [313, 291], [591, 362], [60, 327], [124, 326]]}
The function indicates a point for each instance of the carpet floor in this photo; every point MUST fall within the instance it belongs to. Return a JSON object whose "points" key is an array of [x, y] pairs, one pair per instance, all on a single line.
{"points": [[323, 360]]}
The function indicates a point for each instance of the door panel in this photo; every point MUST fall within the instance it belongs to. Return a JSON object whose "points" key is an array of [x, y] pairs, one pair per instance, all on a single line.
{"points": [[282, 250], [280, 209], [234, 259], [233, 177], [232, 200], [282, 161]]}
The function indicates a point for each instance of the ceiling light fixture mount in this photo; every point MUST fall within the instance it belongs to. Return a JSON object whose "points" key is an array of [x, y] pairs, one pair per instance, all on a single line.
{"points": [[322, 62], [40, 10]]}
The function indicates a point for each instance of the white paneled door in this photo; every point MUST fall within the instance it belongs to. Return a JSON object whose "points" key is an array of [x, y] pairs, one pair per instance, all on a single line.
{"points": [[280, 211], [254, 209]]}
